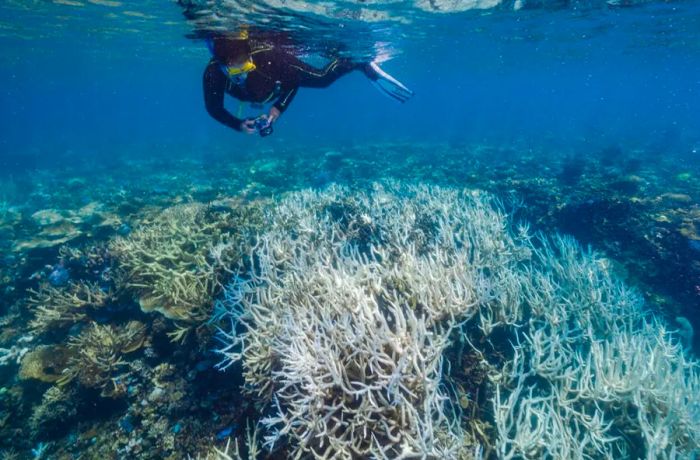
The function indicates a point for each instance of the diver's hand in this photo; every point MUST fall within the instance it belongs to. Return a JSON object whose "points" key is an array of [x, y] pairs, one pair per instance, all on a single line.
{"points": [[273, 115], [248, 126]]}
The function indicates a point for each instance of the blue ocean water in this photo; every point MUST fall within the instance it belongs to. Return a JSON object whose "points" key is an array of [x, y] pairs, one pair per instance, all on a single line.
{"points": [[142, 243], [113, 77]]}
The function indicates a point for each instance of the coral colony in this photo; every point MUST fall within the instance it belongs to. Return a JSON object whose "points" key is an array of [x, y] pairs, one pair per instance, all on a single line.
{"points": [[350, 322]]}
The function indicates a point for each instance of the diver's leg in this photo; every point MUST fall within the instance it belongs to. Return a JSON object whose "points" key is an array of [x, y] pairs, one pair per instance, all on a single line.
{"points": [[311, 77]]}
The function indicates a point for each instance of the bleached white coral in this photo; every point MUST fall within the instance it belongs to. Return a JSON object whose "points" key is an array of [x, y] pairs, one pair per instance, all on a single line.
{"points": [[13, 354], [343, 320], [601, 378]]}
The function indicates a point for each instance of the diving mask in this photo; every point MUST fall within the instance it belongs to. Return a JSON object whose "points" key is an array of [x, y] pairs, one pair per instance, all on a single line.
{"points": [[233, 71]]}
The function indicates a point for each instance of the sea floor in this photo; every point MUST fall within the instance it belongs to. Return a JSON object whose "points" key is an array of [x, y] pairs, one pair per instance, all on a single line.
{"points": [[69, 283]]}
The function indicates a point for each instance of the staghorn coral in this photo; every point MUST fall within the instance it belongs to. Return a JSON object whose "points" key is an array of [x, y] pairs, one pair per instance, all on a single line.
{"points": [[96, 360], [174, 263], [58, 308], [593, 375], [13, 354], [342, 331], [233, 452], [343, 334]]}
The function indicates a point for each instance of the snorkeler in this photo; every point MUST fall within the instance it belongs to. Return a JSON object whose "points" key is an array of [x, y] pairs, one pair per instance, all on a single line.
{"points": [[263, 74]]}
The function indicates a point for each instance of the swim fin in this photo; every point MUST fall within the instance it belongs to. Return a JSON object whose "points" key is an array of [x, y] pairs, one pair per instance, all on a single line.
{"points": [[387, 84]]}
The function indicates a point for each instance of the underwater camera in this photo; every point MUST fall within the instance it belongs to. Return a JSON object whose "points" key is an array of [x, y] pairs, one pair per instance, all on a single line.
{"points": [[263, 126]]}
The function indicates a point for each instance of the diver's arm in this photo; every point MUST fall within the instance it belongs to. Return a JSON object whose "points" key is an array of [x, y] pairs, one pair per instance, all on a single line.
{"points": [[282, 103], [214, 88]]}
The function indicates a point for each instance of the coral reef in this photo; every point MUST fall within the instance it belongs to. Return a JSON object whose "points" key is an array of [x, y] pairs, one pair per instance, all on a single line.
{"points": [[593, 375], [57, 308], [166, 401], [54, 227], [344, 341], [12, 354], [96, 359], [233, 451], [174, 263], [59, 405], [45, 363]]}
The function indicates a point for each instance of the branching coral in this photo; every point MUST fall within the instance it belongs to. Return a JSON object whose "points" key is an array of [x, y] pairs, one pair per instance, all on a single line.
{"points": [[97, 356], [9, 454], [57, 308], [342, 331], [12, 354], [174, 263], [350, 367], [233, 451], [343, 321], [601, 378]]}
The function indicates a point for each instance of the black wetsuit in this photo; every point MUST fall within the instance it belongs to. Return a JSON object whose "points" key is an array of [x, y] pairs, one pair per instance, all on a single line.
{"points": [[277, 76]]}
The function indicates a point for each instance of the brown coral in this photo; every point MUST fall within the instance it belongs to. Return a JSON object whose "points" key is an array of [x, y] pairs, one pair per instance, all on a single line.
{"points": [[45, 363], [60, 307], [58, 405], [97, 356], [174, 263]]}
